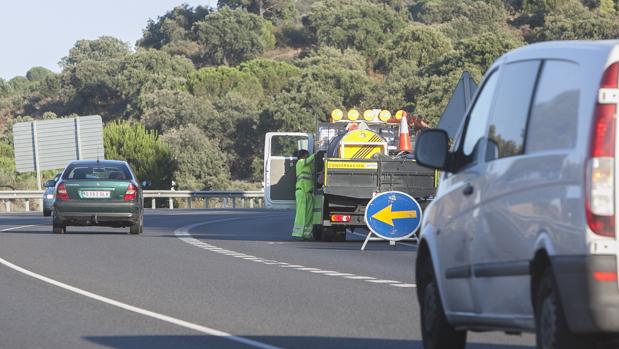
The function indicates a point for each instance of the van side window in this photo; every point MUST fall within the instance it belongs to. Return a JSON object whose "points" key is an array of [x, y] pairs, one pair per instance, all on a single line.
{"points": [[478, 119], [554, 116], [509, 116]]}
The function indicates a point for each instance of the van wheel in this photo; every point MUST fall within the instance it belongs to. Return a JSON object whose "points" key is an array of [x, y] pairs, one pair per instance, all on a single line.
{"points": [[551, 327], [436, 331], [58, 228]]}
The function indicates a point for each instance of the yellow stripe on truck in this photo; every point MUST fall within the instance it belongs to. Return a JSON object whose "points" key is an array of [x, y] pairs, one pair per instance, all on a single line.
{"points": [[352, 165]]}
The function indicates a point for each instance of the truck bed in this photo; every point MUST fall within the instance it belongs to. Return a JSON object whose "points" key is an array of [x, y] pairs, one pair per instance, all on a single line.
{"points": [[361, 179]]}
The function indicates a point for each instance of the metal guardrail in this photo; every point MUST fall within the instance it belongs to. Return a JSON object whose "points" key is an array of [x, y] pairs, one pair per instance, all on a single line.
{"points": [[227, 199]]}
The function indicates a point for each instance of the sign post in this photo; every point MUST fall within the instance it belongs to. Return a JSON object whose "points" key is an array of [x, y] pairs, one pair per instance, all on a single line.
{"points": [[392, 216]]}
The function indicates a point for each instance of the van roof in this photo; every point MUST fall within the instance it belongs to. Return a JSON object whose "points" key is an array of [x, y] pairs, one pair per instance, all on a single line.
{"points": [[578, 50]]}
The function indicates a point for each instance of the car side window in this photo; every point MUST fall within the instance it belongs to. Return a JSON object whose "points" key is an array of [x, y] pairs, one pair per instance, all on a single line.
{"points": [[508, 123], [478, 119], [553, 122]]}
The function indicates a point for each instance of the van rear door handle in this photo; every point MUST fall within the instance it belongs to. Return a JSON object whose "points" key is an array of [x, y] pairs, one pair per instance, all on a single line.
{"points": [[468, 189]]}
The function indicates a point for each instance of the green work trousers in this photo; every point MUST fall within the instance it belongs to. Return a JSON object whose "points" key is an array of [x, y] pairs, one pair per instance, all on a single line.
{"points": [[303, 218]]}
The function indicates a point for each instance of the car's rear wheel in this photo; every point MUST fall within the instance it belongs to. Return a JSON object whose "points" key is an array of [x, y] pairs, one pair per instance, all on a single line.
{"points": [[437, 332], [59, 228], [137, 228], [551, 327]]}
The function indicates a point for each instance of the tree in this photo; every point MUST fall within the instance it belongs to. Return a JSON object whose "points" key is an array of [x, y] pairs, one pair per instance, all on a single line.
{"points": [[147, 71], [230, 37], [273, 10], [421, 44], [89, 87], [20, 84], [164, 110], [272, 75], [101, 49], [145, 151], [5, 88], [575, 23], [202, 165], [476, 54], [480, 12], [357, 24], [235, 129], [172, 32], [38, 74], [217, 82]]}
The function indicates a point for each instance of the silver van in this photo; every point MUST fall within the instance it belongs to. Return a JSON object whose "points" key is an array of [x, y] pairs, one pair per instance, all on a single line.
{"points": [[521, 236]]}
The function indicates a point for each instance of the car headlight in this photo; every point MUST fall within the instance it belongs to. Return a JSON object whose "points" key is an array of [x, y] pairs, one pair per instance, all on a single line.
{"points": [[50, 196]]}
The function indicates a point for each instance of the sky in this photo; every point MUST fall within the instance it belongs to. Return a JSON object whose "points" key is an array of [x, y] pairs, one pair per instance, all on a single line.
{"points": [[41, 32]]}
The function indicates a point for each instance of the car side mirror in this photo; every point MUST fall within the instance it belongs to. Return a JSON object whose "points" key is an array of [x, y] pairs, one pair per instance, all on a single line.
{"points": [[50, 183], [432, 149], [145, 184]]}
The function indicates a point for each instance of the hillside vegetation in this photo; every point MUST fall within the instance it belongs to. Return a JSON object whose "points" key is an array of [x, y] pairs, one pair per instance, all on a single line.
{"points": [[203, 85]]}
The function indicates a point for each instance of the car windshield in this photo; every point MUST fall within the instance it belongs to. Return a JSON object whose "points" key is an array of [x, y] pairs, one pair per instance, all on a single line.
{"points": [[97, 172]]}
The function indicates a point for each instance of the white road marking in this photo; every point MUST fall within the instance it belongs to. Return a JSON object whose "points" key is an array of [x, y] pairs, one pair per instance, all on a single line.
{"points": [[358, 277], [335, 273], [403, 285], [137, 310], [383, 281], [183, 234], [21, 226]]}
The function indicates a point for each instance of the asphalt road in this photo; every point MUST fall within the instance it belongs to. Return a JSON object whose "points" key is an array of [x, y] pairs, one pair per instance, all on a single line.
{"points": [[206, 279]]}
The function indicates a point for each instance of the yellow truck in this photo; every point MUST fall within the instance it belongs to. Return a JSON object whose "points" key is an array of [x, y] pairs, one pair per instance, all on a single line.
{"points": [[357, 156]]}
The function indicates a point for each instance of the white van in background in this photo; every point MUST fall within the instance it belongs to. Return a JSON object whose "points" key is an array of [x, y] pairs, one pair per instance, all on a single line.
{"points": [[522, 233]]}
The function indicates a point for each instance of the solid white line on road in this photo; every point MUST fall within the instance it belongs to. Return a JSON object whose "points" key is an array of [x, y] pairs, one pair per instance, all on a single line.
{"points": [[403, 285], [335, 273], [21, 226], [183, 234], [359, 277], [141, 311]]}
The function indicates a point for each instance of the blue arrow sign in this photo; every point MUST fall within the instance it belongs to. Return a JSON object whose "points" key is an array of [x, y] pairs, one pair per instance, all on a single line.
{"points": [[393, 215]]}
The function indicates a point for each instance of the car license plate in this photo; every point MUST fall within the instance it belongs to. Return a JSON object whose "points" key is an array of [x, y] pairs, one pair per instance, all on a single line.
{"points": [[95, 194]]}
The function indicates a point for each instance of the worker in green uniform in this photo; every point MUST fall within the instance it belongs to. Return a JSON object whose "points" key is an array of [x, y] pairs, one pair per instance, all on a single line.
{"points": [[304, 196]]}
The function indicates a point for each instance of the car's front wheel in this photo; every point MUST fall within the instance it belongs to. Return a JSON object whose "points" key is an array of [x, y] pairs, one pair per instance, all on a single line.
{"points": [[47, 213], [436, 331], [551, 327]]}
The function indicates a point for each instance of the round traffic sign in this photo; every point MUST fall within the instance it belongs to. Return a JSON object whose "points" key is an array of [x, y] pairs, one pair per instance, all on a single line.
{"points": [[393, 215]]}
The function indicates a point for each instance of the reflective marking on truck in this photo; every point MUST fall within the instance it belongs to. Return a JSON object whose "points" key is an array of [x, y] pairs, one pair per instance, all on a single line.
{"points": [[352, 164]]}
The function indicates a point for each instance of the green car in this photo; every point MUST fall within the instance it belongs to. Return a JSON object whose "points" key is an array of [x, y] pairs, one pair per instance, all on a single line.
{"points": [[102, 193]]}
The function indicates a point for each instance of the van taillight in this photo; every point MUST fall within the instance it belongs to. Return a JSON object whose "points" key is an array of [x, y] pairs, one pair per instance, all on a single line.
{"points": [[131, 193], [61, 192], [600, 203]]}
